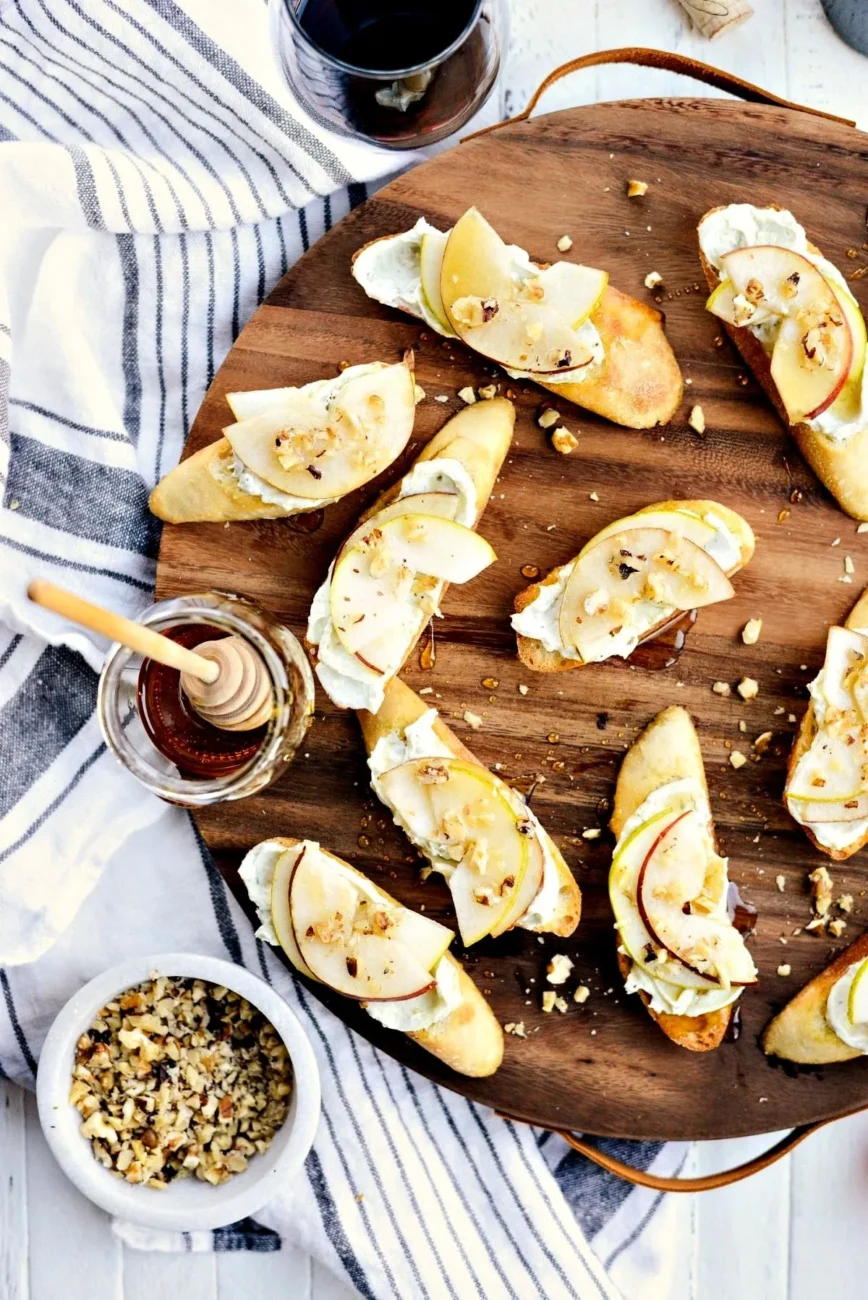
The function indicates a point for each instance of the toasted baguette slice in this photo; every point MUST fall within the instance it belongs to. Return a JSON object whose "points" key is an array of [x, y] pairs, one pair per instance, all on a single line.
{"points": [[857, 621], [840, 467], [470, 1040], [533, 653], [667, 750], [639, 382], [402, 706], [478, 437], [203, 488], [801, 1032]]}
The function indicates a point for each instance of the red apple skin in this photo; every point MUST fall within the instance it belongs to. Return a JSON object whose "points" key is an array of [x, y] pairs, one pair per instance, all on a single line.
{"points": [[354, 997], [644, 915]]}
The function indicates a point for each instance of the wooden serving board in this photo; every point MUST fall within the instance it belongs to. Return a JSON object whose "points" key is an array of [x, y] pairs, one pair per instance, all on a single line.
{"points": [[603, 1067]]}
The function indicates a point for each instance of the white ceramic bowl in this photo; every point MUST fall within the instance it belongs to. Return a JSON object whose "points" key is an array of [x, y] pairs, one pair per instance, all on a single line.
{"points": [[188, 1203]]}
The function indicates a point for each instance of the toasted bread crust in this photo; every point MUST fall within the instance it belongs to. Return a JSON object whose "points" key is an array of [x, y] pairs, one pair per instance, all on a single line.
{"points": [[840, 467], [478, 437], [204, 489], [403, 706], [533, 653], [470, 1040], [856, 620], [667, 750], [801, 1032]]}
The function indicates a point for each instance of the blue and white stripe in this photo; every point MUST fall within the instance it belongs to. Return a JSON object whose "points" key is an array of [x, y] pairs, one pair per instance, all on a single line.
{"points": [[156, 180]]}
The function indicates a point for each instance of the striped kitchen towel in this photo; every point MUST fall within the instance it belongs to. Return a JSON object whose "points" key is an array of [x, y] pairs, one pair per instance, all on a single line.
{"points": [[156, 179]]}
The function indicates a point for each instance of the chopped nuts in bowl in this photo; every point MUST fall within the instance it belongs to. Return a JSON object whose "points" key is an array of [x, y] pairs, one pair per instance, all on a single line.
{"points": [[178, 1091]]}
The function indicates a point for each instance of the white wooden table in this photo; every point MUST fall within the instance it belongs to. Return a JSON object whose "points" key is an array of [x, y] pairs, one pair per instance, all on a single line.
{"points": [[787, 1234]]}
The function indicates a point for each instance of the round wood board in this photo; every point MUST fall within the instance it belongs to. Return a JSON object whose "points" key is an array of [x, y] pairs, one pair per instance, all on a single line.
{"points": [[603, 1067]]}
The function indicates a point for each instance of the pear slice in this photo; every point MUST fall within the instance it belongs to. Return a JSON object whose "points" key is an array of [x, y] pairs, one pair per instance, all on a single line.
{"points": [[572, 290], [503, 317], [832, 770], [779, 280], [531, 884], [846, 657], [374, 584], [460, 813], [857, 999], [348, 943], [422, 503], [848, 404], [678, 913], [813, 812], [300, 448], [636, 565], [281, 916], [672, 521], [426, 938], [431, 251], [634, 936], [257, 401], [723, 304]]}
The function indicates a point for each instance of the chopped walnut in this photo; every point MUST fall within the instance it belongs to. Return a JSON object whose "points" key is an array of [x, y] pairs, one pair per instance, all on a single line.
{"points": [[582, 993], [785, 969], [721, 688], [548, 1000], [845, 902], [696, 420], [516, 1028], [750, 633], [821, 889], [652, 279], [763, 741], [737, 759], [467, 395], [487, 392], [564, 244], [837, 926], [636, 189], [432, 774], [522, 689], [548, 418], [591, 833], [748, 688], [564, 441], [472, 719], [180, 1077], [558, 969], [781, 882]]}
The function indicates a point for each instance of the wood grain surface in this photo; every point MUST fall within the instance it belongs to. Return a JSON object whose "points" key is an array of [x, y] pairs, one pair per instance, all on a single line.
{"points": [[603, 1067]]}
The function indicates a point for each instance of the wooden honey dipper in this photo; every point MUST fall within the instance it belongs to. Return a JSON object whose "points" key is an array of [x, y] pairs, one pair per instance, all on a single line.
{"points": [[226, 680]]}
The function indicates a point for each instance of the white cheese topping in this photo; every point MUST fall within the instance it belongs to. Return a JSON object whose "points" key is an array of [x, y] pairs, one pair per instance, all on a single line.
{"points": [[323, 392], [389, 271], [740, 225], [668, 995], [838, 1012], [409, 1014], [540, 619], [345, 679], [421, 741]]}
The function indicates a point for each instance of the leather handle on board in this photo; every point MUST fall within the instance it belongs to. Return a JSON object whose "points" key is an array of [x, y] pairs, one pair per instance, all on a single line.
{"points": [[669, 62], [708, 1183]]}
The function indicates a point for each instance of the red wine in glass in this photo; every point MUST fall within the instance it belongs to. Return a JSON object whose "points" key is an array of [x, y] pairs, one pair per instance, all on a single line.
{"points": [[396, 72]]}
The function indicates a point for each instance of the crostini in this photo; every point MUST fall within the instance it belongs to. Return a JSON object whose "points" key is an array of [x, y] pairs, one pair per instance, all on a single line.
{"points": [[295, 449], [563, 326], [628, 583], [677, 946], [338, 928], [390, 574], [502, 867], [796, 323], [827, 1020], [826, 789]]}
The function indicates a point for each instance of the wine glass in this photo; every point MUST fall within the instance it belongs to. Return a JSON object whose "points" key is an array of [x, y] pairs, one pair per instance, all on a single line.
{"points": [[398, 73]]}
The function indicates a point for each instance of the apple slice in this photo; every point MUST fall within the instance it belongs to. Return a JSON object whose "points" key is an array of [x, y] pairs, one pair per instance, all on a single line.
{"points": [[735, 311], [848, 404], [306, 451], [572, 290], [281, 916], [778, 280], [430, 266], [460, 813], [634, 936], [342, 946], [857, 999], [505, 318], [811, 361], [678, 913], [622, 570], [422, 503]]}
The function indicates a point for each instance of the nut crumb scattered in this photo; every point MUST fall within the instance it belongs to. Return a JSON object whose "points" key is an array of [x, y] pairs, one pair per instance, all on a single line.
{"points": [[845, 902], [472, 719], [592, 496], [862, 528], [564, 244], [592, 833], [763, 741], [696, 420], [785, 969], [652, 279], [750, 633], [721, 688], [636, 189], [748, 688], [737, 759], [849, 566], [441, 397], [487, 392], [558, 969], [821, 891], [582, 993], [781, 882], [837, 926], [427, 690], [523, 690], [548, 418], [564, 441], [516, 1028], [548, 1000], [467, 395], [562, 1005]]}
